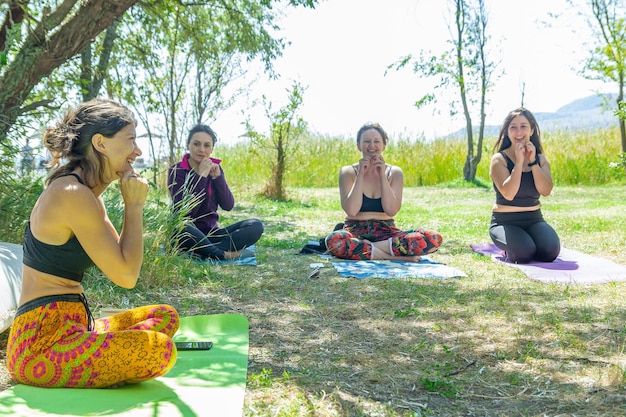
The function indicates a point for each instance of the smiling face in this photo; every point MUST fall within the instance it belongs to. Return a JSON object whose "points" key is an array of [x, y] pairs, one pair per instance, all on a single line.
{"points": [[121, 151], [520, 130], [371, 143], [200, 146]]}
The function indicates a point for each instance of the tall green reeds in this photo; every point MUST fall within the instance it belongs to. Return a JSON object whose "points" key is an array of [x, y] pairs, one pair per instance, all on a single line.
{"points": [[584, 157], [576, 158], [588, 158]]}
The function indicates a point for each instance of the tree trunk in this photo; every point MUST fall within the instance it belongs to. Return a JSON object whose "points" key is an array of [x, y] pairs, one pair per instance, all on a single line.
{"points": [[621, 107], [92, 75], [280, 172], [469, 169], [52, 42]]}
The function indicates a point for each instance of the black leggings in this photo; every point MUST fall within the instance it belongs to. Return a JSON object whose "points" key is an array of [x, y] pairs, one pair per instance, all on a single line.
{"points": [[524, 236], [234, 237]]}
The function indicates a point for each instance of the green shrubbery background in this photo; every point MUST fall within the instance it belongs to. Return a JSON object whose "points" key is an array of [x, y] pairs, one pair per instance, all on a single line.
{"points": [[580, 158], [576, 158]]}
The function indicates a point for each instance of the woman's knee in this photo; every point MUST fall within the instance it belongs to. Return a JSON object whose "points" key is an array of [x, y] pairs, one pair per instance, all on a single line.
{"points": [[169, 319], [254, 227], [336, 243], [161, 360], [433, 238], [189, 238], [520, 256], [548, 253], [547, 241], [521, 249]]}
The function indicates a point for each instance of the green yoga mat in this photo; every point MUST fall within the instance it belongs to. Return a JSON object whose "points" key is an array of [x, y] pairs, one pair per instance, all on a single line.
{"points": [[202, 383]]}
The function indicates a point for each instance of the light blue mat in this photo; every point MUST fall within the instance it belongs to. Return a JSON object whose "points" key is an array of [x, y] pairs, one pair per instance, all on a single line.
{"points": [[248, 257], [427, 268]]}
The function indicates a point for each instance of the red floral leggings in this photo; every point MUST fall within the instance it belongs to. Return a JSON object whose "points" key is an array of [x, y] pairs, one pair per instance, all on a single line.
{"points": [[349, 243]]}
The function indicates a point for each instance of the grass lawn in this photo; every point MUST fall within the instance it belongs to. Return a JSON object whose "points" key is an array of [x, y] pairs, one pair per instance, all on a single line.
{"points": [[492, 344]]}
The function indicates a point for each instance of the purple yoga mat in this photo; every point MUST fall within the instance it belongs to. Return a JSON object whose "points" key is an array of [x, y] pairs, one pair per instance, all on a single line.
{"points": [[570, 267]]}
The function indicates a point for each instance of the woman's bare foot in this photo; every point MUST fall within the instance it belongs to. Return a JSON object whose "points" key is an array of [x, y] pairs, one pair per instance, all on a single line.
{"points": [[232, 254], [380, 251]]}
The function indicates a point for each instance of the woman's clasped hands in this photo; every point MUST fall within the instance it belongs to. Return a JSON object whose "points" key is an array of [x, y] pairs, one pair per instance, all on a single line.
{"points": [[209, 168], [525, 152], [372, 163]]}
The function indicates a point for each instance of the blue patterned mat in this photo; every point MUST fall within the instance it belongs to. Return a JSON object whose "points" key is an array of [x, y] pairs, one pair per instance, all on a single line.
{"points": [[248, 257], [427, 268]]}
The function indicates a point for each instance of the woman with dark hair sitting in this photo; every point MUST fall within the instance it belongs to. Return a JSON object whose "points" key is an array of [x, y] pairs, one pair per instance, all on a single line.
{"points": [[198, 186], [521, 173]]}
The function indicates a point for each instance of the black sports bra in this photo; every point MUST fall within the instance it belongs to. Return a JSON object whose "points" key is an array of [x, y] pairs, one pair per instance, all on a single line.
{"points": [[68, 260], [372, 204]]}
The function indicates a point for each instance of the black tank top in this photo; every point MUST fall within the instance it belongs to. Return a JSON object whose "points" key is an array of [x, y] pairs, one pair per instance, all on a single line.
{"points": [[68, 260], [527, 195]]}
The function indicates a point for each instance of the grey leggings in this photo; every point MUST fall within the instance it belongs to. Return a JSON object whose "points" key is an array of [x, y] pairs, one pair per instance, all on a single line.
{"points": [[524, 236]]}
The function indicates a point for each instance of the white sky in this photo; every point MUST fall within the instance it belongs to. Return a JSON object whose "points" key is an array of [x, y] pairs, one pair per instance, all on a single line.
{"points": [[341, 50]]}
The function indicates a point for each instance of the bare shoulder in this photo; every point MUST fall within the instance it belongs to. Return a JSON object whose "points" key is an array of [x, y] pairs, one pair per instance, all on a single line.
{"points": [[394, 169], [347, 177], [497, 158], [66, 197], [68, 189], [394, 172], [348, 170], [59, 206]]}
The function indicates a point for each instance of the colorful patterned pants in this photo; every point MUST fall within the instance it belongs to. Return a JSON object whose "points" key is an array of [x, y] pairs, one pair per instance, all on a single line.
{"points": [[50, 344], [349, 243]]}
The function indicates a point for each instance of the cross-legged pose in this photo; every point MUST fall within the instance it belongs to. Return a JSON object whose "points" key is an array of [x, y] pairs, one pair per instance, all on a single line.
{"points": [[198, 187], [54, 340], [371, 195]]}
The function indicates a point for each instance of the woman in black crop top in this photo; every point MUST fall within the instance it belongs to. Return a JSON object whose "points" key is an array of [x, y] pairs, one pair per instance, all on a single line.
{"points": [[521, 174], [54, 340], [371, 194]]}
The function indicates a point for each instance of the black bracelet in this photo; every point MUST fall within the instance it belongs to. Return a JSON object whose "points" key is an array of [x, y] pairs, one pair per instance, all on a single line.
{"points": [[536, 161]]}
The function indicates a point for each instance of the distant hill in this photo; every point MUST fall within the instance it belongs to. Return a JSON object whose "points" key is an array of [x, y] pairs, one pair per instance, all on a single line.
{"points": [[584, 113], [587, 113]]}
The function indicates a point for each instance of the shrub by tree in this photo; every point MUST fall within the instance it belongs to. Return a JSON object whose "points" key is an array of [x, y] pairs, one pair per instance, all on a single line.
{"points": [[286, 130]]}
